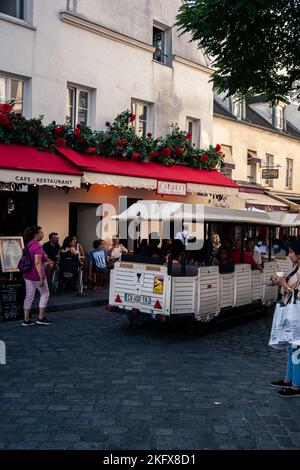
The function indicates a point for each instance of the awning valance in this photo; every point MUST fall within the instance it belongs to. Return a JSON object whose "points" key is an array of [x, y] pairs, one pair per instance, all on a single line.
{"points": [[27, 165], [111, 171]]}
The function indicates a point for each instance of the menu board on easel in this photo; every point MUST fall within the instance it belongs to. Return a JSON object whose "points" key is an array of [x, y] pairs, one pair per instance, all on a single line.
{"points": [[10, 253]]}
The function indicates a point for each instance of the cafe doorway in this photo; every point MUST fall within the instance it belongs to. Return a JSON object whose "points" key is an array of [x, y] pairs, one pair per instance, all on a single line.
{"points": [[84, 220]]}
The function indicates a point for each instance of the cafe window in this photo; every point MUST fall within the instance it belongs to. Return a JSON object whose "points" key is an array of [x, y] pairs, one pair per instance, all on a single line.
{"points": [[12, 89], [289, 173], [14, 8], [193, 126], [78, 106], [252, 162], [162, 41], [142, 113], [270, 165]]}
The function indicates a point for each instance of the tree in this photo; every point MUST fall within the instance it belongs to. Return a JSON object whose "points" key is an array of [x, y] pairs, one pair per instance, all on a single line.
{"points": [[254, 45]]}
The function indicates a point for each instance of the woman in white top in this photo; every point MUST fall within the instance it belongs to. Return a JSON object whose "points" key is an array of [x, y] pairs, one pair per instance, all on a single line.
{"points": [[116, 250], [290, 286]]}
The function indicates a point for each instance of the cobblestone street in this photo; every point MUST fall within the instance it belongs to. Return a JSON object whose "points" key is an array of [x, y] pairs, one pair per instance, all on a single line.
{"points": [[90, 381]]}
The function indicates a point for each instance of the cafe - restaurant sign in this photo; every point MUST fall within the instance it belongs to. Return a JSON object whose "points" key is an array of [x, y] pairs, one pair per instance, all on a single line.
{"points": [[39, 179], [171, 188]]}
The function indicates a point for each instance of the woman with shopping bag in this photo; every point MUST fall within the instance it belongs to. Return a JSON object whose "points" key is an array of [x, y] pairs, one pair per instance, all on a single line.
{"points": [[286, 325]]}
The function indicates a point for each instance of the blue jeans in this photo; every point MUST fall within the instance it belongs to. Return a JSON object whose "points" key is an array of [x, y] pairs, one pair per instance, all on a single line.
{"points": [[293, 368]]}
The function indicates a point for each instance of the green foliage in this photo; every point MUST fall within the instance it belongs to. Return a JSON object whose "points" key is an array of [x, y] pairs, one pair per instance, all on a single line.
{"points": [[254, 44]]}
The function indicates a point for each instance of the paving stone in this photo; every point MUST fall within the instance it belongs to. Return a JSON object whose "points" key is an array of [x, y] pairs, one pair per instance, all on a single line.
{"points": [[92, 382]]}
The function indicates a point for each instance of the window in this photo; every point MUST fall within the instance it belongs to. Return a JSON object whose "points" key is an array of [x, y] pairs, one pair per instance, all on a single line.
{"points": [[13, 8], [162, 41], [252, 161], [278, 117], [78, 104], [289, 173], [270, 165], [227, 172], [194, 126], [141, 123], [12, 89], [238, 108]]}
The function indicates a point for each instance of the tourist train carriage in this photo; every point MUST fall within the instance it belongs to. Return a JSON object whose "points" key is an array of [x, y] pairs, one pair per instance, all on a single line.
{"points": [[148, 291]]}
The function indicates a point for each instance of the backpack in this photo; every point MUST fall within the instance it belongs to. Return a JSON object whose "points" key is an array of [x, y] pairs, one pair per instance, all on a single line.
{"points": [[25, 264]]}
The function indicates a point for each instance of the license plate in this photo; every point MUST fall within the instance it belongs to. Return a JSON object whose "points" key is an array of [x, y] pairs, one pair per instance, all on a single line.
{"points": [[138, 299]]}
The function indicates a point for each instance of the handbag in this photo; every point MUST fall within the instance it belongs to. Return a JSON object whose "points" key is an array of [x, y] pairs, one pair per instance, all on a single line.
{"points": [[25, 263], [286, 324]]}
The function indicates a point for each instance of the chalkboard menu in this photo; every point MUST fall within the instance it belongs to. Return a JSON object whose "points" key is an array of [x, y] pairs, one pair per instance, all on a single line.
{"points": [[11, 299]]}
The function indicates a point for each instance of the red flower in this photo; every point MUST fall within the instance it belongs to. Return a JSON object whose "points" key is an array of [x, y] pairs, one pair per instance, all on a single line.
{"points": [[60, 142], [214, 164], [179, 135], [166, 151], [188, 136], [121, 142], [204, 158], [77, 130], [179, 150], [59, 130], [132, 117], [135, 156], [4, 121], [107, 124], [6, 108], [153, 154], [91, 151], [218, 148], [149, 134]]}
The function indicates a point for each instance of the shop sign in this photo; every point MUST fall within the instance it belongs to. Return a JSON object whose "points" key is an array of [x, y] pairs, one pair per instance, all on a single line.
{"points": [[171, 188], [270, 174], [35, 178], [19, 188]]}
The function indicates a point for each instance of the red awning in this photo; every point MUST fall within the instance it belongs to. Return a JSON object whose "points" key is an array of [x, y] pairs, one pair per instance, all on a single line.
{"points": [[27, 165], [151, 170]]}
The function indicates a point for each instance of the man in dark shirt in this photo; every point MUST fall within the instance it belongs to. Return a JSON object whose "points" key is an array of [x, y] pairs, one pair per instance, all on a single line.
{"points": [[52, 247]]}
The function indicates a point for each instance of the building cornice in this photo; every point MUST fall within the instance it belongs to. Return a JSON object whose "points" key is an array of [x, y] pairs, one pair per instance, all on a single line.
{"points": [[255, 126], [87, 25], [195, 65]]}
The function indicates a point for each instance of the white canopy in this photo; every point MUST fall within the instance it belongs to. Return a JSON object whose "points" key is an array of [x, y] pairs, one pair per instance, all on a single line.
{"points": [[161, 211]]}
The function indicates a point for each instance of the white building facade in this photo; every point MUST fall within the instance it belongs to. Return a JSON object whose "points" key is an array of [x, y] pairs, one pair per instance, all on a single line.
{"points": [[87, 60]]}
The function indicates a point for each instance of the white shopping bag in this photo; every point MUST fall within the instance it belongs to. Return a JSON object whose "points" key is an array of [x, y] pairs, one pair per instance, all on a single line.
{"points": [[286, 326]]}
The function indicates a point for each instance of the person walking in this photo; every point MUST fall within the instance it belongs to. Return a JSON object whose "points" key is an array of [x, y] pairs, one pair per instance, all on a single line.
{"points": [[290, 286], [35, 278]]}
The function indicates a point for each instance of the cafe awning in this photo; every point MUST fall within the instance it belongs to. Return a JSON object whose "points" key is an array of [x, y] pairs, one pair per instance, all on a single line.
{"points": [[228, 159], [20, 164], [163, 210], [253, 158], [262, 201], [112, 171]]}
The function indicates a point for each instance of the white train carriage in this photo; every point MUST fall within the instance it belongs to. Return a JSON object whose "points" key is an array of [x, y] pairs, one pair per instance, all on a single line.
{"points": [[147, 291]]}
